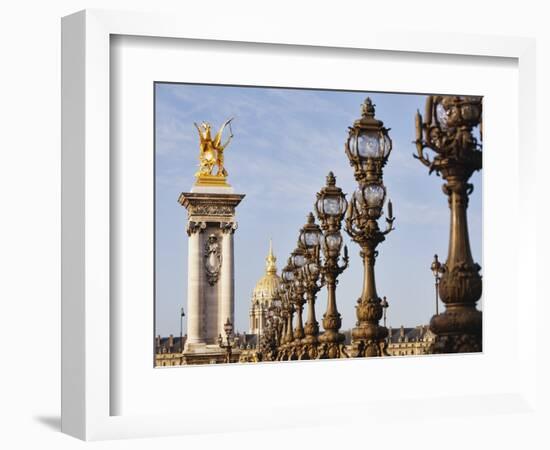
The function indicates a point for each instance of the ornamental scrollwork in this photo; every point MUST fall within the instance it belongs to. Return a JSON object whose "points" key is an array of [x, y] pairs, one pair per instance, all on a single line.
{"points": [[216, 209], [228, 227]]}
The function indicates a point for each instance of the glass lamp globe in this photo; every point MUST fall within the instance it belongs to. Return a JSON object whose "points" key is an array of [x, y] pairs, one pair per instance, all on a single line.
{"points": [[313, 269], [310, 238], [332, 205], [298, 259], [370, 144], [385, 144], [471, 110], [334, 242], [374, 195], [287, 275], [442, 115], [310, 233], [456, 111]]}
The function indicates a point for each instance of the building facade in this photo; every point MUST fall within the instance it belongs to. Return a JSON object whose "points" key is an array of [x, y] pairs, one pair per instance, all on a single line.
{"points": [[410, 341], [168, 351]]}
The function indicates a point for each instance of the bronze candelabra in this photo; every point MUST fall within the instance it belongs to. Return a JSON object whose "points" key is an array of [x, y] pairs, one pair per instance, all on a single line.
{"points": [[330, 207], [368, 147], [447, 129]]}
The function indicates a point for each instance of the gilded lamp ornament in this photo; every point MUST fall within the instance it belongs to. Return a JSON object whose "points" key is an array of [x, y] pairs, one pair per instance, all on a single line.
{"points": [[368, 147], [448, 130]]}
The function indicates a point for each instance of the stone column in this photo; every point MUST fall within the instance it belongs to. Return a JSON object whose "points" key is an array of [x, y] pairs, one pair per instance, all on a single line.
{"points": [[227, 297], [211, 224], [194, 309]]}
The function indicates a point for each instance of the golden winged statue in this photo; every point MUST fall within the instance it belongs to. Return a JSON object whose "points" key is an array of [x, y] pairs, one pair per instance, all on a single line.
{"points": [[211, 153]]}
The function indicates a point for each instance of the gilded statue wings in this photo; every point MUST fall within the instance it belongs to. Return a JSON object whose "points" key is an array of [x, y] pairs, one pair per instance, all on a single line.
{"points": [[218, 138]]}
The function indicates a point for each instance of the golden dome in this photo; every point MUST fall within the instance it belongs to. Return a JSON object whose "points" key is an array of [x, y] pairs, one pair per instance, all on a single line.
{"points": [[267, 287]]}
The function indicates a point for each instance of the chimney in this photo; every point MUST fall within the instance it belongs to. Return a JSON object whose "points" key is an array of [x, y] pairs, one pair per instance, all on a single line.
{"points": [[158, 341], [171, 341]]}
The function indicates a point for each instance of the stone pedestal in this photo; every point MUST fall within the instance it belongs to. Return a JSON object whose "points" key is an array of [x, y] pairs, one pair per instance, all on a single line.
{"points": [[210, 286]]}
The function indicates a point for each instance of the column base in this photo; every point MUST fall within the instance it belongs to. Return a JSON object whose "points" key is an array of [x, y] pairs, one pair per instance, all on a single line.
{"points": [[458, 330], [207, 354]]}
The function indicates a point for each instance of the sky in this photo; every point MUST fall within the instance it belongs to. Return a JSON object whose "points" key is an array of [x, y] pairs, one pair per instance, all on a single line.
{"points": [[285, 143]]}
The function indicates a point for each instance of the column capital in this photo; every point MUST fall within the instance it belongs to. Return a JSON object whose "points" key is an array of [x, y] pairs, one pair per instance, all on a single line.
{"points": [[194, 227], [228, 227], [210, 207]]}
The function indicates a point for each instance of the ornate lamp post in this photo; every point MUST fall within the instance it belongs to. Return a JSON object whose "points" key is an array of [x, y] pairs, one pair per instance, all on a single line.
{"points": [[291, 275], [384, 306], [330, 207], [182, 315], [284, 323], [288, 310], [368, 148], [307, 255], [448, 131], [274, 318], [278, 324], [437, 270], [228, 346], [268, 342]]}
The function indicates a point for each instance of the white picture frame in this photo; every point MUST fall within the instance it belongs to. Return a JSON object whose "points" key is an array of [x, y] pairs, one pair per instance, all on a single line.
{"points": [[88, 387]]}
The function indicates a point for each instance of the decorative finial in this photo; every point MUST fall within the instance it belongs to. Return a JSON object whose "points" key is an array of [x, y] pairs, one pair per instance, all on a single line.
{"points": [[331, 179], [310, 219], [367, 108], [270, 266]]}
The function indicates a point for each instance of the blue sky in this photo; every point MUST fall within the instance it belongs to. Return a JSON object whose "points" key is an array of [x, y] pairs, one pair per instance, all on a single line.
{"points": [[286, 141]]}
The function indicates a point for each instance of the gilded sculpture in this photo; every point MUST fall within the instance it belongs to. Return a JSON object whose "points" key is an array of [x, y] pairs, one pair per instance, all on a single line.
{"points": [[211, 157]]}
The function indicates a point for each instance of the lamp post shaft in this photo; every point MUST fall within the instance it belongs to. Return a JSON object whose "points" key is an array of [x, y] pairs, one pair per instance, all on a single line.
{"points": [[436, 295], [312, 326], [332, 309], [299, 330], [369, 281], [332, 340], [459, 240], [369, 336]]}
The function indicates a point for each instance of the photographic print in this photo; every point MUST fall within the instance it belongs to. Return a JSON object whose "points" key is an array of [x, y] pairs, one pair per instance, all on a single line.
{"points": [[300, 224]]}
